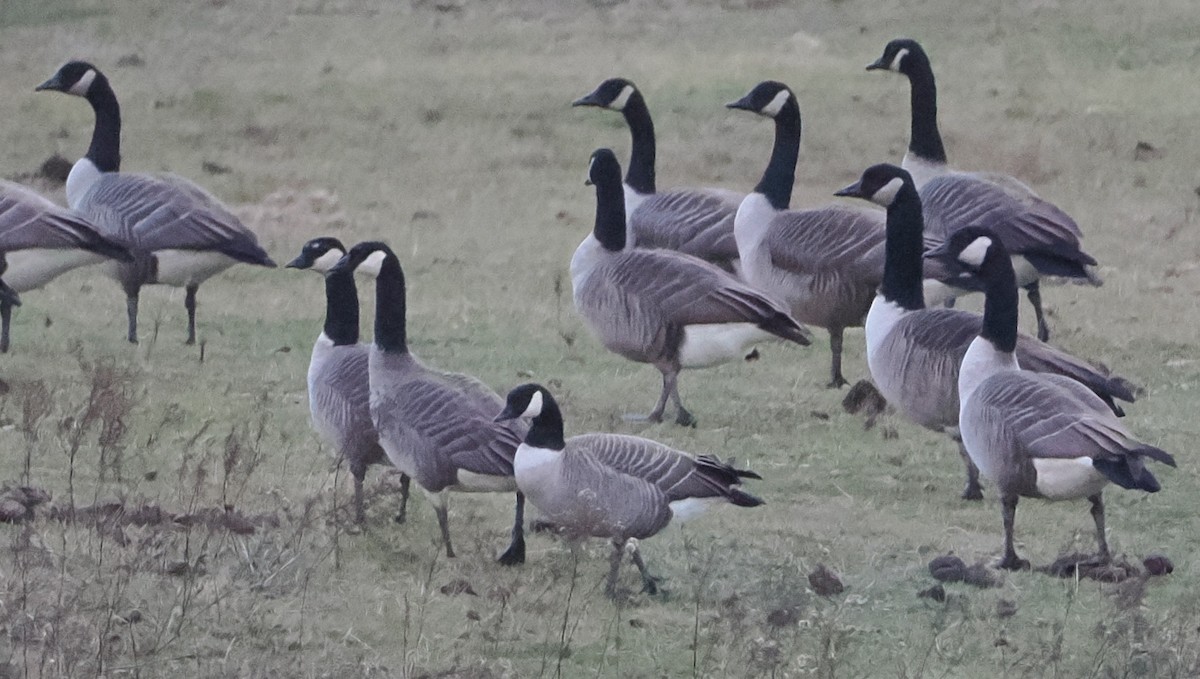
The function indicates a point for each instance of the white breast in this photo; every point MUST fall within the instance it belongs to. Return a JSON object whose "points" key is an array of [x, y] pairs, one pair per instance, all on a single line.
{"points": [[922, 170], [881, 320], [83, 174], [750, 227], [189, 267], [690, 508]]}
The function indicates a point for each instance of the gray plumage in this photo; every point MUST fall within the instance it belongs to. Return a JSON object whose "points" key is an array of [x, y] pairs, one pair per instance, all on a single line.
{"points": [[915, 354], [610, 485], [695, 221], [178, 233], [824, 262], [338, 389], [40, 240], [665, 308], [1035, 435], [1042, 239], [434, 426]]}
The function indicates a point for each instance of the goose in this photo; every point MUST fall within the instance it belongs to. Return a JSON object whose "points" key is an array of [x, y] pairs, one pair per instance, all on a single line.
{"points": [[914, 353], [180, 235], [697, 221], [1043, 240], [1042, 436], [434, 426], [625, 488], [825, 262], [338, 391], [40, 241], [661, 307]]}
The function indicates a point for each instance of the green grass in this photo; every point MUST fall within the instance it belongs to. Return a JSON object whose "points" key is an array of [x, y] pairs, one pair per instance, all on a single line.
{"points": [[449, 134]]}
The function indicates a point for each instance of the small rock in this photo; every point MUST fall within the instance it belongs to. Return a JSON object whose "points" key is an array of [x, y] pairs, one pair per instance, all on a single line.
{"points": [[824, 581], [981, 576], [215, 168], [937, 593], [1158, 564], [1006, 608], [473, 615], [133, 60], [784, 617], [948, 568], [636, 623], [1145, 151]]}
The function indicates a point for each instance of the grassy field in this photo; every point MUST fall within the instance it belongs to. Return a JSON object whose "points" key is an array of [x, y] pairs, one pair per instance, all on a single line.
{"points": [[445, 129]]}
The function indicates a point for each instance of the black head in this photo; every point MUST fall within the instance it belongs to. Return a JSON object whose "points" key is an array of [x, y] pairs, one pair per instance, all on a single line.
{"points": [[612, 94], [767, 98], [366, 258], [970, 247], [900, 55], [878, 184], [74, 77], [603, 169], [524, 401], [319, 254]]}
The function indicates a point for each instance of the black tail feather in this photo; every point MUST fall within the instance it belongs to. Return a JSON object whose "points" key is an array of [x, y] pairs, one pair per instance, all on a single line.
{"points": [[741, 498]]}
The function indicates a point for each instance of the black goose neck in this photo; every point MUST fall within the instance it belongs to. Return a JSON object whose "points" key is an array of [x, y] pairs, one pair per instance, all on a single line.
{"points": [[1000, 303], [546, 430], [924, 141], [640, 175], [341, 308], [390, 307], [610, 216], [780, 176], [903, 250], [105, 149]]}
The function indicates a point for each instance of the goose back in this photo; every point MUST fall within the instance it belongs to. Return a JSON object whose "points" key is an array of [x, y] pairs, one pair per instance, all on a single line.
{"points": [[697, 222], [591, 499]]}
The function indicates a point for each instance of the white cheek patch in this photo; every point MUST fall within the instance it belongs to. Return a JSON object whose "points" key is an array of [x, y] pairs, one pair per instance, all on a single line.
{"points": [[535, 405], [372, 264], [895, 65], [622, 98], [974, 253], [80, 88], [887, 193], [772, 109], [326, 261]]}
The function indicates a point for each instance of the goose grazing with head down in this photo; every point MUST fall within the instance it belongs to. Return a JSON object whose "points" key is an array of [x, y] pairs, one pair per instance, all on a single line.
{"points": [[338, 390], [40, 240], [624, 488], [178, 233], [824, 262], [435, 427], [662, 307], [1035, 435], [1042, 239], [698, 222], [915, 353]]}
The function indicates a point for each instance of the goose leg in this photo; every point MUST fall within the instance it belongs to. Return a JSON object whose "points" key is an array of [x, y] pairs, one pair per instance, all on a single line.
{"points": [[836, 380], [402, 516], [656, 414], [515, 554], [973, 490], [5, 322], [614, 566], [443, 517], [359, 472], [1010, 561], [131, 309], [682, 417], [1097, 501], [189, 303], [649, 582], [1034, 292]]}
